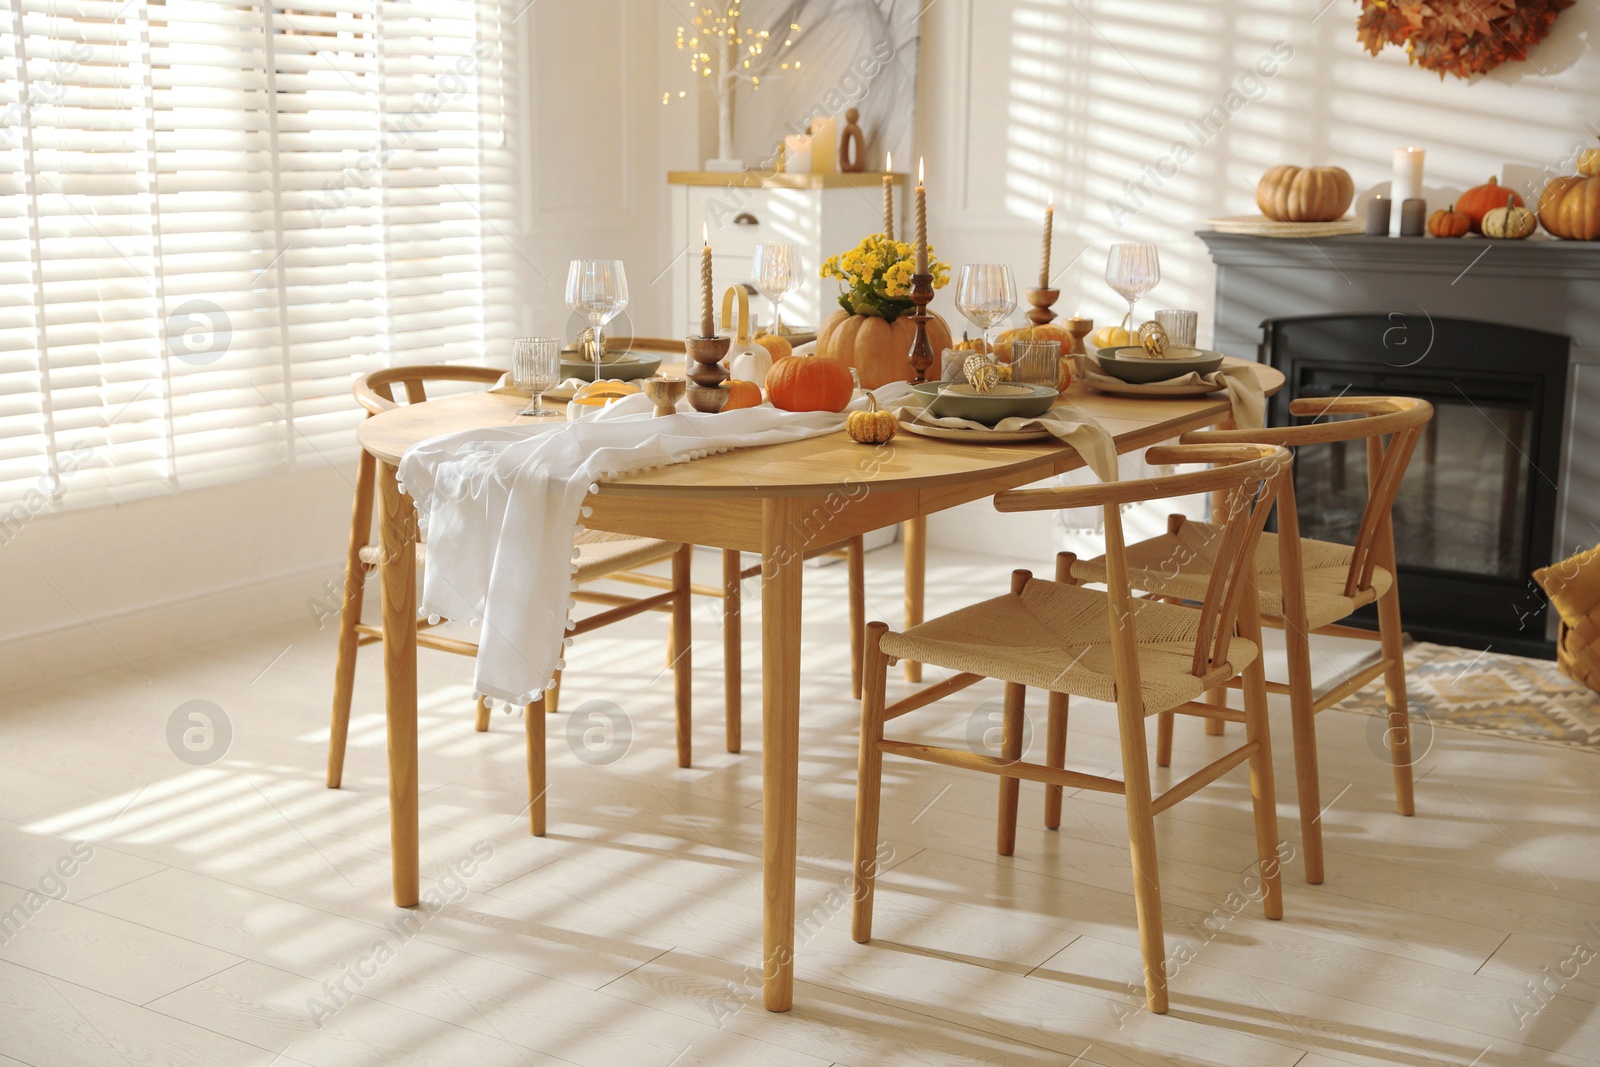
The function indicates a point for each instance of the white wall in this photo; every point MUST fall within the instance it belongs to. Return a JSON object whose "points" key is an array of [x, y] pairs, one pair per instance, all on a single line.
{"points": [[1022, 98]]}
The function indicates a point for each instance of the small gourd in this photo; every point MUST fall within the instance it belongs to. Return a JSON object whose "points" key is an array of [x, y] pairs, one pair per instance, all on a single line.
{"points": [[1509, 223], [1117, 336], [1589, 162], [873, 426], [1448, 222]]}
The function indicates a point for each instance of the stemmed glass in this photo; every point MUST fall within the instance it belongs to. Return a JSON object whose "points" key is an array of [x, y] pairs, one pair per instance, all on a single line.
{"points": [[986, 294], [598, 290], [1133, 270], [776, 265], [536, 366]]}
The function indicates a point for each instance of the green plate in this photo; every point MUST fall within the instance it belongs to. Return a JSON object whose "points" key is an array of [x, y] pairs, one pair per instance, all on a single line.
{"points": [[958, 400], [1131, 364], [623, 366]]}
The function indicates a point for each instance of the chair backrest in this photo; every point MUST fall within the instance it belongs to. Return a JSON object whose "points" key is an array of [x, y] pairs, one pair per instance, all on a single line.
{"points": [[1390, 426], [375, 390], [1248, 476]]}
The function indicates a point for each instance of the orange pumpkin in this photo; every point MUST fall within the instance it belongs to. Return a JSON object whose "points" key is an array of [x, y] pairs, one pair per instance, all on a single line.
{"points": [[741, 395], [1448, 222], [1048, 332], [1478, 201], [1305, 194], [875, 347], [1570, 208], [810, 383]]}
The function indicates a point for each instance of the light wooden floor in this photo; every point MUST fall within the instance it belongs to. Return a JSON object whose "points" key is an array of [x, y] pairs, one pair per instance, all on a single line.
{"points": [[237, 914]]}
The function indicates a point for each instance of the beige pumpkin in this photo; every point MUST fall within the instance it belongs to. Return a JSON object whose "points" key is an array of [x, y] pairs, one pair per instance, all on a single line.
{"points": [[1509, 223], [876, 348], [1305, 194], [1589, 162]]}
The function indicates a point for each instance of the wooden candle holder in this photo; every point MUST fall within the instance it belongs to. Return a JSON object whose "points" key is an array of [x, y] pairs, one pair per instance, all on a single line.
{"points": [[1041, 299], [921, 354], [1079, 328], [706, 394]]}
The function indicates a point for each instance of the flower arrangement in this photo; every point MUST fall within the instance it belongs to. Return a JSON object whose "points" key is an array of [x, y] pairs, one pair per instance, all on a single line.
{"points": [[877, 277], [1460, 37]]}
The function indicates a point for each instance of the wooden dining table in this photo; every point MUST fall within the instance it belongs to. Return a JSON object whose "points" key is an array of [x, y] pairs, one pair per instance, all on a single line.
{"points": [[775, 500]]}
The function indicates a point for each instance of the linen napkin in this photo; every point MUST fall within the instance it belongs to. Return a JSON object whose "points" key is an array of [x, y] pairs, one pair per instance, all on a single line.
{"points": [[500, 507], [1064, 421], [1244, 388], [564, 390]]}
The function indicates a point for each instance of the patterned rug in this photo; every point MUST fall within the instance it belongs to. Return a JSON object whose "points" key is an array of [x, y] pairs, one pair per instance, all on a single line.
{"points": [[1508, 696]]}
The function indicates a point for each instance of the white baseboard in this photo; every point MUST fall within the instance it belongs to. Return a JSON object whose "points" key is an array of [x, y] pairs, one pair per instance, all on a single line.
{"points": [[113, 639]]}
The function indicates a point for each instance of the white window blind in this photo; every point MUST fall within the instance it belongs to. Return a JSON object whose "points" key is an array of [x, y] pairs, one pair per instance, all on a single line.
{"points": [[213, 215]]}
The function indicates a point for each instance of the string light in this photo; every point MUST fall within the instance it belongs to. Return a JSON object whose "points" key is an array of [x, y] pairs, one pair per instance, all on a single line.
{"points": [[713, 33]]}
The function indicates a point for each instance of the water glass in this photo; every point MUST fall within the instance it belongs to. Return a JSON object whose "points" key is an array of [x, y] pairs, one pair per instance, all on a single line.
{"points": [[1036, 362], [1182, 326], [536, 366], [1133, 270], [776, 265], [597, 289], [986, 294]]}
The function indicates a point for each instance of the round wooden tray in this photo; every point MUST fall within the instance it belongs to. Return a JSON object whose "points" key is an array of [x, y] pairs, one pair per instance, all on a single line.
{"points": [[1261, 226]]}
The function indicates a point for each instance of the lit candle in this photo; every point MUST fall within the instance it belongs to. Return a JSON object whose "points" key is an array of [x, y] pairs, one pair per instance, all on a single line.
{"points": [[922, 222], [1049, 236], [1406, 184], [708, 323], [888, 195]]}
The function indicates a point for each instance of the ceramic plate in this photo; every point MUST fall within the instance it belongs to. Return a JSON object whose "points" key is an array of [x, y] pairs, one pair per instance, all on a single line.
{"points": [[977, 437], [622, 366], [1155, 389]]}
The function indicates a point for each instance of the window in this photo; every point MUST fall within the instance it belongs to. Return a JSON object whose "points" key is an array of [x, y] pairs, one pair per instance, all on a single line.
{"points": [[214, 214]]}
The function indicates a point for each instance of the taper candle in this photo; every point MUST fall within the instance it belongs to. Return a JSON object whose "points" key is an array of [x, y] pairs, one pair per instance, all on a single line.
{"points": [[922, 221], [1049, 236], [708, 322], [888, 195], [1405, 185]]}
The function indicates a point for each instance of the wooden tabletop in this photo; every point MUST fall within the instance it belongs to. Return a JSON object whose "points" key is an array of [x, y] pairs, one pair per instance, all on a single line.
{"points": [[818, 464]]}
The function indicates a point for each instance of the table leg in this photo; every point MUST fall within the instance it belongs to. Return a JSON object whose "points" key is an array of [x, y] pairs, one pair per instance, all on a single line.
{"points": [[782, 560], [398, 577], [916, 535]]}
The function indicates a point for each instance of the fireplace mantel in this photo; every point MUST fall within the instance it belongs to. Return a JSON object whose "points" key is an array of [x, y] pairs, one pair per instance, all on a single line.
{"points": [[1540, 284]]}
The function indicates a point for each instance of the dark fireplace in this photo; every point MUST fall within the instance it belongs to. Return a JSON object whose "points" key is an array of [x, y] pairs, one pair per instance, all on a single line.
{"points": [[1476, 513]]}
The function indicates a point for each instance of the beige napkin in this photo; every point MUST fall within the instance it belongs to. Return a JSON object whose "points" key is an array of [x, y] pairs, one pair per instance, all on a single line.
{"points": [[560, 391], [1244, 388], [1064, 421]]}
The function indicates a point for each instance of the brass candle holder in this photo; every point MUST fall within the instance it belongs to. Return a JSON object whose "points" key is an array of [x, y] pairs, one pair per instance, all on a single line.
{"points": [[1042, 299], [706, 394], [921, 354]]}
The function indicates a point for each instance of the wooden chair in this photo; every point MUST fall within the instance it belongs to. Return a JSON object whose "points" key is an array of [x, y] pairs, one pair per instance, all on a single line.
{"points": [[599, 556], [1308, 586], [1145, 655]]}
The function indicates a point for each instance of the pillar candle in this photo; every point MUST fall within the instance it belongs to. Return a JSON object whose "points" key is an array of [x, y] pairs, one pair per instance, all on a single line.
{"points": [[708, 322], [824, 146], [797, 154], [922, 222], [1406, 184], [888, 196], [1049, 237]]}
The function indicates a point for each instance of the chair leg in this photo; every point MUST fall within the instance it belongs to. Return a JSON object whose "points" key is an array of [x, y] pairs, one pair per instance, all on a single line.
{"points": [[682, 646], [1214, 727], [533, 720], [1011, 751], [1263, 796], [1055, 756], [344, 673], [482, 724], [1303, 721], [869, 782], [1164, 723], [1142, 846], [858, 610], [732, 650], [552, 696], [1394, 684]]}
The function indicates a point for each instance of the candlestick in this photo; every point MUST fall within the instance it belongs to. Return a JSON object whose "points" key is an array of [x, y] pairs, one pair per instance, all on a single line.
{"points": [[921, 355], [1049, 237], [1040, 314], [888, 195], [1406, 184], [707, 373], [922, 228], [708, 322]]}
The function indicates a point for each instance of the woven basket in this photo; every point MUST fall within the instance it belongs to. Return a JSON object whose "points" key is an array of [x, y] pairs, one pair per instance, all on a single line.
{"points": [[1573, 586]]}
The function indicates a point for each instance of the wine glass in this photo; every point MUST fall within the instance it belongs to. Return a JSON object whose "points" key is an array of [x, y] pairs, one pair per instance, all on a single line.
{"points": [[776, 265], [1133, 270], [986, 294], [598, 290], [536, 366]]}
